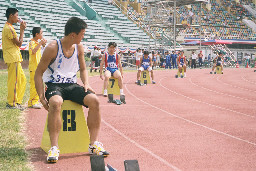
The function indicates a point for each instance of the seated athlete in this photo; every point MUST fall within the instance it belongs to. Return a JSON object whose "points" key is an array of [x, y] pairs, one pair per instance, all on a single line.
{"points": [[145, 64], [182, 63], [218, 61], [112, 61]]}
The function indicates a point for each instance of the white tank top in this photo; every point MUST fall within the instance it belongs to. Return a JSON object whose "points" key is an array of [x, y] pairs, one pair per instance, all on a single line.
{"points": [[63, 69]]}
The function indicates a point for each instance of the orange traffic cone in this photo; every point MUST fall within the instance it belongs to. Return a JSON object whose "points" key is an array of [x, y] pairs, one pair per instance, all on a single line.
{"points": [[247, 65], [237, 65]]}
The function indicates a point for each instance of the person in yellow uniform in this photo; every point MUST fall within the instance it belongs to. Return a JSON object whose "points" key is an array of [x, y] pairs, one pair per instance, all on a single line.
{"points": [[12, 57], [34, 59]]}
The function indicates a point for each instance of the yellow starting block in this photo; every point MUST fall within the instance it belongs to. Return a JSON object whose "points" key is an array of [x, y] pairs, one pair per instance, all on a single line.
{"points": [[218, 70], [74, 136], [178, 73], [113, 87], [144, 77]]}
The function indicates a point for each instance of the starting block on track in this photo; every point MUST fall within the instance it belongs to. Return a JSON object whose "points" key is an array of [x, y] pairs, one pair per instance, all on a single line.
{"points": [[144, 78], [74, 136], [113, 87], [98, 164], [218, 70], [131, 165], [178, 74]]}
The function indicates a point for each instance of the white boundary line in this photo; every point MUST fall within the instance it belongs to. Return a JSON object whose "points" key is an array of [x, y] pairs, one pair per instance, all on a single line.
{"points": [[192, 122], [141, 147], [204, 102], [236, 86], [219, 92]]}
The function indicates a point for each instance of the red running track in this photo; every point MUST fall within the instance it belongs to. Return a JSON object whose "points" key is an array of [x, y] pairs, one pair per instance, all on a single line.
{"points": [[201, 122]]}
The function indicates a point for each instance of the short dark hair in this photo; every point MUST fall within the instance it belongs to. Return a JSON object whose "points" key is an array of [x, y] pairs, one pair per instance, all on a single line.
{"points": [[146, 52], [74, 25], [112, 44], [36, 30], [10, 11]]}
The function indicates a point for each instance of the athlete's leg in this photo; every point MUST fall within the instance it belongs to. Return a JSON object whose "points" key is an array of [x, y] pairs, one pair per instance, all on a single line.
{"points": [[94, 116], [54, 119], [117, 74], [213, 67], [139, 72], [152, 74], [107, 75], [21, 83], [185, 67]]}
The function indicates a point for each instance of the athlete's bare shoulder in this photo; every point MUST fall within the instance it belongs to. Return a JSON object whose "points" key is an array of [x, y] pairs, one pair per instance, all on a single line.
{"points": [[52, 47], [80, 48]]}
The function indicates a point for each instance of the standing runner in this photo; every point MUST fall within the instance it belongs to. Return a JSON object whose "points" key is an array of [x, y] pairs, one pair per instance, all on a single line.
{"points": [[16, 82], [34, 59]]}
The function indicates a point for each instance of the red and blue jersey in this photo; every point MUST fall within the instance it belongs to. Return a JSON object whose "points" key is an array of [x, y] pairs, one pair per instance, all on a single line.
{"points": [[111, 61]]}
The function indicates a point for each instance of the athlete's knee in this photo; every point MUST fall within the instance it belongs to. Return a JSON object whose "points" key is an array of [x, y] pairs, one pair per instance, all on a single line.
{"points": [[93, 102], [55, 103]]}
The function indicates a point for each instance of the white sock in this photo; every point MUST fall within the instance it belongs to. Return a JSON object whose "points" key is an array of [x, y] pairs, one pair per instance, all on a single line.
{"points": [[184, 74], [121, 91]]}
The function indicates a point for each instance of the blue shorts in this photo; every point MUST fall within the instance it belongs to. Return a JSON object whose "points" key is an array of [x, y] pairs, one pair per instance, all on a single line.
{"points": [[112, 70], [145, 67]]}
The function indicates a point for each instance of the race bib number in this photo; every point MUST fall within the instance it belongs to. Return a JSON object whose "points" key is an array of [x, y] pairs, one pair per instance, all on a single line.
{"points": [[60, 79], [112, 65]]}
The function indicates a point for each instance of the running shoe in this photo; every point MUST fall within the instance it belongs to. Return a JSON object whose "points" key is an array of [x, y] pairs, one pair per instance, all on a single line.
{"points": [[153, 82], [105, 94], [97, 148], [53, 155], [36, 106]]}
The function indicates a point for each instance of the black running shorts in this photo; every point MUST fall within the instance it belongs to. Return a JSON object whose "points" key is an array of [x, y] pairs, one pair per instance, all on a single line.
{"points": [[68, 91]]}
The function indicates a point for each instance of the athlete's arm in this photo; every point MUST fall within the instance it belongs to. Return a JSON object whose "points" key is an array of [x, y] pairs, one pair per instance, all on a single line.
{"points": [[120, 65], [49, 55], [19, 41], [43, 41], [83, 72], [101, 65], [150, 61], [141, 58]]}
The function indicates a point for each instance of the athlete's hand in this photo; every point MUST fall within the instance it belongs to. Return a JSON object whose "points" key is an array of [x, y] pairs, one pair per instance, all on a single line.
{"points": [[43, 42], [88, 87], [23, 25], [101, 76], [45, 104]]}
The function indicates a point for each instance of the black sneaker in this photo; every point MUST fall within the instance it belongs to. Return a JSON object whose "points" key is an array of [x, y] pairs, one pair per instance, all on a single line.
{"points": [[10, 107], [20, 107]]}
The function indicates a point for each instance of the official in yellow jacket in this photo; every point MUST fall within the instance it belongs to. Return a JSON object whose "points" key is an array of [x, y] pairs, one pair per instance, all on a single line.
{"points": [[12, 57], [34, 58]]}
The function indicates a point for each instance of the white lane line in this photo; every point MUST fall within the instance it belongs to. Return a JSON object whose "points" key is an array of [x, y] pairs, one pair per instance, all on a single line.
{"points": [[141, 147], [219, 92], [192, 122], [248, 80], [205, 102], [123, 105], [235, 86]]}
